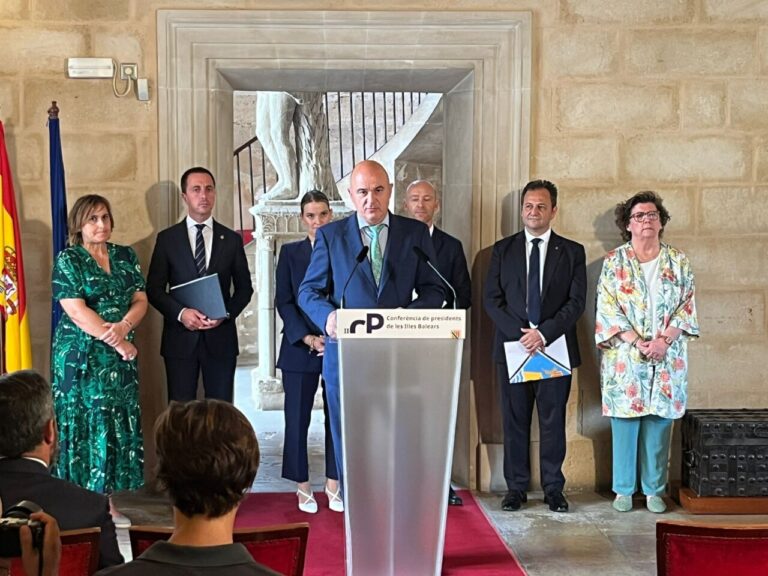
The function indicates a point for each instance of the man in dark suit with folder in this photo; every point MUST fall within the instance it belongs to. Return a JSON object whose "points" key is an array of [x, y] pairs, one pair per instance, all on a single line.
{"points": [[199, 246], [384, 276], [535, 292]]}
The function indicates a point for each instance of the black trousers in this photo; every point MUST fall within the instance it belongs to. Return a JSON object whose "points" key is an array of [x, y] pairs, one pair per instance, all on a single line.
{"points": [[218, 375], [517, 400]]}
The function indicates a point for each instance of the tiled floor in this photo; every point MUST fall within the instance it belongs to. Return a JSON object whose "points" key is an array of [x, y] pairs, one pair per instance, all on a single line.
{"points": [[591, 539]]}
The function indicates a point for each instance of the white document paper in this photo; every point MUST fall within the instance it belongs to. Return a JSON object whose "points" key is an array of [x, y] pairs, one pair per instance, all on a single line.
{"points": [[552, 362]]}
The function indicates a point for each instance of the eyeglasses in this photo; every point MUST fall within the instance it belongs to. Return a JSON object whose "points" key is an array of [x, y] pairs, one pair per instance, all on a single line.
{"points": [[640, 216]]}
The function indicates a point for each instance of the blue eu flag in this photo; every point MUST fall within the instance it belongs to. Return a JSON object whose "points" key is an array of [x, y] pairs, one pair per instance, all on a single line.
{"points": [[58, 200]]}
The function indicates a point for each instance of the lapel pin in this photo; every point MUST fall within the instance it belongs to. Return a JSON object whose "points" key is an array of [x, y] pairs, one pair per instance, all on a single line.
{"points": [[221, 237]]}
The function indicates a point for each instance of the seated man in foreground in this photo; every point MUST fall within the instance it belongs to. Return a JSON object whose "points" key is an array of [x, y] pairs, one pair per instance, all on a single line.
{"points": [[29, 447], [207, 457]]}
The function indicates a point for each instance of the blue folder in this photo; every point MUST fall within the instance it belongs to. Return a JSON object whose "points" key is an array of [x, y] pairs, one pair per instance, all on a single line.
{"points": [[202, 294]]}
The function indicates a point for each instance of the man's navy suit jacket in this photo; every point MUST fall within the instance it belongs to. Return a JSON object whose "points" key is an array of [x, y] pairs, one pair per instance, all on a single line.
{"points": [[72, 506], [563, 292], [173, 263], [333, 259], [453, 265], [292, 264]]}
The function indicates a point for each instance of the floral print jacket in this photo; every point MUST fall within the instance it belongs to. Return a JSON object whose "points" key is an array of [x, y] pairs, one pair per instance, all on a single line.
{"points": [[631, 384]]}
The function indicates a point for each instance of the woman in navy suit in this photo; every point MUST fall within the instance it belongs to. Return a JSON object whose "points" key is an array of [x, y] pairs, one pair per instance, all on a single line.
{"points": [[301, 360]]}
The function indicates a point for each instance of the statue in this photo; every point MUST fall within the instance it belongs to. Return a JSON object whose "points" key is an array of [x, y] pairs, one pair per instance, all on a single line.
{"points": [[309, 161]]}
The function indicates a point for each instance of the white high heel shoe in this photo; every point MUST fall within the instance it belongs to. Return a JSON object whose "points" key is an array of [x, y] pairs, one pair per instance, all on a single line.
{"points": [[335, 502], [309, 504]]}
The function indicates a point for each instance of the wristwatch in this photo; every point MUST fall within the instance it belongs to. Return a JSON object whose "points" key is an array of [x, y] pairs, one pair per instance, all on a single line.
{"points": [[669, 340]]}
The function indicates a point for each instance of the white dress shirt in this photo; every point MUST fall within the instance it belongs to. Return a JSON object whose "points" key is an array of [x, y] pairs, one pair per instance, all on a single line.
{"points": [[542, 257], [383, 234], [207, 236], [207, 240], [542, 252]]}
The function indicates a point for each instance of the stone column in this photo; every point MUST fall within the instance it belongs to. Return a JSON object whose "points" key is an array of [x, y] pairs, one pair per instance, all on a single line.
{"points": [[265, 262], [267, 387]]}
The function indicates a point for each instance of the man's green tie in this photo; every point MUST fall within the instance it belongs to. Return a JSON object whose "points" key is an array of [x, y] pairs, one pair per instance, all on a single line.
{"points": [[377, 259]]}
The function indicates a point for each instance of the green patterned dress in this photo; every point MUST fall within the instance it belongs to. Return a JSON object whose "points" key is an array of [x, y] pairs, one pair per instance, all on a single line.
{"points": [[96, 393]]}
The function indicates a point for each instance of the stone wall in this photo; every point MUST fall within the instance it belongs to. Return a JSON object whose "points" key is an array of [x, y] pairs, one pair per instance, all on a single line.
{"points": [[627, 95], [669, 96]]}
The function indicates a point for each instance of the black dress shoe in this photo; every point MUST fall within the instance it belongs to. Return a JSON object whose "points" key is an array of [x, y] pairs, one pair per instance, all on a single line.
{"points": [[453, 498], [556, 501], [513, 500]]}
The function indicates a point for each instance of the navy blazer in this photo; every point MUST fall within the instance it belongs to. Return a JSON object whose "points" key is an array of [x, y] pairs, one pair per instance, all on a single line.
{"points": [[295, 356], [563, 292], [333, 259], [173, 263], [72, 506], [453, 265]]}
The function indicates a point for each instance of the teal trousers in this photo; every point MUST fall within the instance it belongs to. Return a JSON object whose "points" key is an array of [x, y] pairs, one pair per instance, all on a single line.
{"points": [[640, 443]]}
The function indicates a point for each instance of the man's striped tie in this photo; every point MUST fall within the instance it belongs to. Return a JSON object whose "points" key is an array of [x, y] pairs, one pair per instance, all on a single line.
{"points": [[200, 250]]}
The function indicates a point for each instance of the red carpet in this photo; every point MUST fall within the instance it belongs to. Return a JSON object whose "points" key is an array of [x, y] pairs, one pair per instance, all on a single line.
{"points": [[472, 546]]}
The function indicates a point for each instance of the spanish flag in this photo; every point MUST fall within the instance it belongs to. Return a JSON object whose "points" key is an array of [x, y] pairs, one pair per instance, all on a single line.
{"points": [[17, 348]]}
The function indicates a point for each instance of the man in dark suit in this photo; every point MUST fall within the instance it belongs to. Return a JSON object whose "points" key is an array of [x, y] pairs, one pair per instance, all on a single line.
{"points": [[195, 247], [422, 203], [387, 279], [535, 292], [29, 446]]}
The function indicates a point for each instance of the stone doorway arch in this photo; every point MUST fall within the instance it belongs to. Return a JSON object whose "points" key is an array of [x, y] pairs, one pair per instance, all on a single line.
{"points": [[480, 61]]}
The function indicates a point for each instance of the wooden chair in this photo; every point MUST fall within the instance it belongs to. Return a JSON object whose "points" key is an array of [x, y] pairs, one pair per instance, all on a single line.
{"points": [[79, 553], [701, 549], [282, 548]]}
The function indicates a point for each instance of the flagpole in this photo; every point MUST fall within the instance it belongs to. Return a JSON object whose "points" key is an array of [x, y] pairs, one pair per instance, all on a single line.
{"points": [[58, 200]]}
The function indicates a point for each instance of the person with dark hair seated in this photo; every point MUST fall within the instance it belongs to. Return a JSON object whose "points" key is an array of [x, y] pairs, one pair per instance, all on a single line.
{"points": [[29, 446], [207, 457]]}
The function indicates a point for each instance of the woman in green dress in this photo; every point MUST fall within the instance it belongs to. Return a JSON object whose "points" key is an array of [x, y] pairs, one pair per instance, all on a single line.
{"points": [[95, 379]]}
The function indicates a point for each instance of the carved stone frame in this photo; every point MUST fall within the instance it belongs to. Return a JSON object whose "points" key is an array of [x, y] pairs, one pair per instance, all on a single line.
{"points": [[195, 121]]}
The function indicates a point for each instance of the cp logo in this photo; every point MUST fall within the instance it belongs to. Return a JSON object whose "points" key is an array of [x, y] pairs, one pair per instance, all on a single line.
{"points": [[372, 322]]}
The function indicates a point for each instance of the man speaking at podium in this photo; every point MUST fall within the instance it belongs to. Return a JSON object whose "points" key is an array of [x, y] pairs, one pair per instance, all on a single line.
{"points": [[366, 260]]}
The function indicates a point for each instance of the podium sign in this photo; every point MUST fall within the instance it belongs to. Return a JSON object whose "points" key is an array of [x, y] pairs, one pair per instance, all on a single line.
{"points": [[399, 376], [401, 323]]}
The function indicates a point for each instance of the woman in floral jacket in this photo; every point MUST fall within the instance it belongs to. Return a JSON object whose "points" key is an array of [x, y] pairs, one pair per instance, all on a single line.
{"points": [[645, 315]]}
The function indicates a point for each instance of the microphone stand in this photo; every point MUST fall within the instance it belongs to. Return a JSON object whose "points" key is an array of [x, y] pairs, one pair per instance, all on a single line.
{"points": [[425, 258], [359, 258]]}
